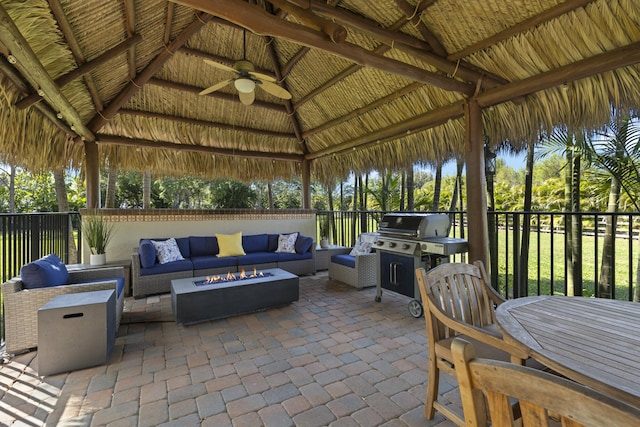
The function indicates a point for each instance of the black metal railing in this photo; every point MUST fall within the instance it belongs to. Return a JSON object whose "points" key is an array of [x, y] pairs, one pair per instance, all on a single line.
{"points": [[539, 264], [27, 237], [536, 265]]}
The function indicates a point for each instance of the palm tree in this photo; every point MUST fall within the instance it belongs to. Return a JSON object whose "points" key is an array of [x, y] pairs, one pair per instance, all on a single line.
{"points": [[616, 149]]}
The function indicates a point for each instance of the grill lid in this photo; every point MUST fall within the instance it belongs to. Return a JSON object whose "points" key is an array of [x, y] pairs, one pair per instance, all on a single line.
{"points": [[414, 226]]}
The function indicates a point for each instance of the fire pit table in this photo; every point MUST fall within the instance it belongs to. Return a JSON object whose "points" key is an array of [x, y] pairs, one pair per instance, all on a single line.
{"points": [[196, 299]]}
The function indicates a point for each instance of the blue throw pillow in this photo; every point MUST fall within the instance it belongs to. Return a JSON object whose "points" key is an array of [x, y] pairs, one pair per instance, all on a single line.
{"points": [[147, 253], [303, 244], [45, 272]]}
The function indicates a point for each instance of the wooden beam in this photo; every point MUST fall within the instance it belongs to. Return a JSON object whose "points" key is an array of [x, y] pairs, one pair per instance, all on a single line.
{"points": [[190, 121], [84, 69], [164, 145], [33, 70], [417, 48], [92, 174], [549, 14], [617, 58], [415, 124], [335, 32], [259, 21], [132, 88], [217, 95]]}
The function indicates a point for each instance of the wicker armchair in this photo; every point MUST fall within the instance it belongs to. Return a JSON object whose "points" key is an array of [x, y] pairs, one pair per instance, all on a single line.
{"points": [[364, 273], [21, 305]]}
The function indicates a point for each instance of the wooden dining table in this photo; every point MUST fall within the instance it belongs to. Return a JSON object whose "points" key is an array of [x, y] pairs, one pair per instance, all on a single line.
{"points": [[593, 341]]}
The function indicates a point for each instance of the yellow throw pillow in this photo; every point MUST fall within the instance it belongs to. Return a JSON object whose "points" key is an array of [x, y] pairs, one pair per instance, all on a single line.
{"points": [[230, 244]]}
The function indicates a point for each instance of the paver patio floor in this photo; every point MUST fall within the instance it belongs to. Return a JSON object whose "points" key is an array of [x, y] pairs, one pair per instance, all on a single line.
{"points": [[333, 358]]}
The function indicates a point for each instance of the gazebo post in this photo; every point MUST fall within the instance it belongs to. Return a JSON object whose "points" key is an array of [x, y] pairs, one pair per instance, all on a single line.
{"points": [[92, 174], [306, 184], [476, 185]]}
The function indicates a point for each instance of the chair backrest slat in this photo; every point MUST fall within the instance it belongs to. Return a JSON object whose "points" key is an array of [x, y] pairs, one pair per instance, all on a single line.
{"points": [[538, 393]]}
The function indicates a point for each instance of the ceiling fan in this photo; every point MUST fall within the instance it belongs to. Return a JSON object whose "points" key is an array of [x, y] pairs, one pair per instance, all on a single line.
{"points": [[246, 80]]}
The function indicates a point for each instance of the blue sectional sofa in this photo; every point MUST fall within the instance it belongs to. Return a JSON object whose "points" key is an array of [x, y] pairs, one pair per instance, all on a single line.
{"points": [[202, 256]]}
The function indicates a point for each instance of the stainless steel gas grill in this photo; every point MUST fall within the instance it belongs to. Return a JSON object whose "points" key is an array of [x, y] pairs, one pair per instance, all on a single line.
{"points": [[407, 242]]}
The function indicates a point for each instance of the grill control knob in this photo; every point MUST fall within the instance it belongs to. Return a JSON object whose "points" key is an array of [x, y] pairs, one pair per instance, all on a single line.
{"points": [[392, 245], [405, 246], [379, 242]]}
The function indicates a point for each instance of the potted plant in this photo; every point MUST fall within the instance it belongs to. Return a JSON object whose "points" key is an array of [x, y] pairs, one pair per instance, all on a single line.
{"points": [[324, 231], [98, 233]]}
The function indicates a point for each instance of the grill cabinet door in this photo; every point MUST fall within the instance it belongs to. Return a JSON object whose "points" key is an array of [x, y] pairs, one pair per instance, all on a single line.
{"points": [[397, 273]]}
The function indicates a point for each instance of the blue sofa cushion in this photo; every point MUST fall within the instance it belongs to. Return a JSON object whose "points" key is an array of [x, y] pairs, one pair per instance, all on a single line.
{"points": [[119, 285], [273, 242], [344, 259], [44, 272], [212, 261], [203, 246], [255, 243], [147, 253], [256, 258], [303, 244], [183, 244], [293, 257], [170, 267]]}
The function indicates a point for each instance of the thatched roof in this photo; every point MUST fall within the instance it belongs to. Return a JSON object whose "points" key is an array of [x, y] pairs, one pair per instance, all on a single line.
{"points": [[391, 94]]}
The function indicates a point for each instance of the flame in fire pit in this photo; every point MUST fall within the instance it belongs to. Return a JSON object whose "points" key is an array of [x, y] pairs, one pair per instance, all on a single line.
{"points": [[231, 277]]}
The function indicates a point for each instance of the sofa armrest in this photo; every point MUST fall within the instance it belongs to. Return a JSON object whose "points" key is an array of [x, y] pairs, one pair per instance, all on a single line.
{"points": [[77, 276]]}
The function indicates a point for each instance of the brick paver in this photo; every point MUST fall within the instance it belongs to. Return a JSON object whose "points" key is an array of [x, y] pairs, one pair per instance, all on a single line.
{"points": [[333, 358]]}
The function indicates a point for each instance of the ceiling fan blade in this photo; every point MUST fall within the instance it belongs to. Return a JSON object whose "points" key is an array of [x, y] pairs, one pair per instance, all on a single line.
{"points": [[220, 66], [275, 90], [247, 98], [263, 77], [215, 87]]}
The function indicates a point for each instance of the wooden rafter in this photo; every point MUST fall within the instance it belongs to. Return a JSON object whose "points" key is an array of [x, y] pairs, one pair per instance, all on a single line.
{"points": [[130, 27], [414, 14], [297, 57], [336, 33], [23, 87], [84, 69], [396, 40], [287, 102], [32, 69], [204, 123], [621, 57], [547, 15], [164, 145], [166, 37], [67, 32], [259, 21], [144, 76]]}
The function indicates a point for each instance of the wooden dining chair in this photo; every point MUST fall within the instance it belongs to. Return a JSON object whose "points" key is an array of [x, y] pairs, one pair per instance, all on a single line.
{"points": [[489, 387], [458, 301]]}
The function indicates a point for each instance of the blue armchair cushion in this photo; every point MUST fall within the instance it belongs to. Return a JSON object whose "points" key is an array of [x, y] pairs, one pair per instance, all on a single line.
{"points": [[44, 272], [147, 253], [303, 244], [344, 259]]}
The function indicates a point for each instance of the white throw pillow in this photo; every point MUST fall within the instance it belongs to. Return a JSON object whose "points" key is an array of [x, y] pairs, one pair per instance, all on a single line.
{"points": [[361, 248], [287, 243], [167, 251]]}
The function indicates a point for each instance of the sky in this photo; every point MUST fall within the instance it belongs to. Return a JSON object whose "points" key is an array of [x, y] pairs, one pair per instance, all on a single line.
{"points": [[515, 161]]}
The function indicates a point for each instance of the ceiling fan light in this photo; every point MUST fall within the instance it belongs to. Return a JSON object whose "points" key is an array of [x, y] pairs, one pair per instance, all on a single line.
{"points": [[244, 85]]}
